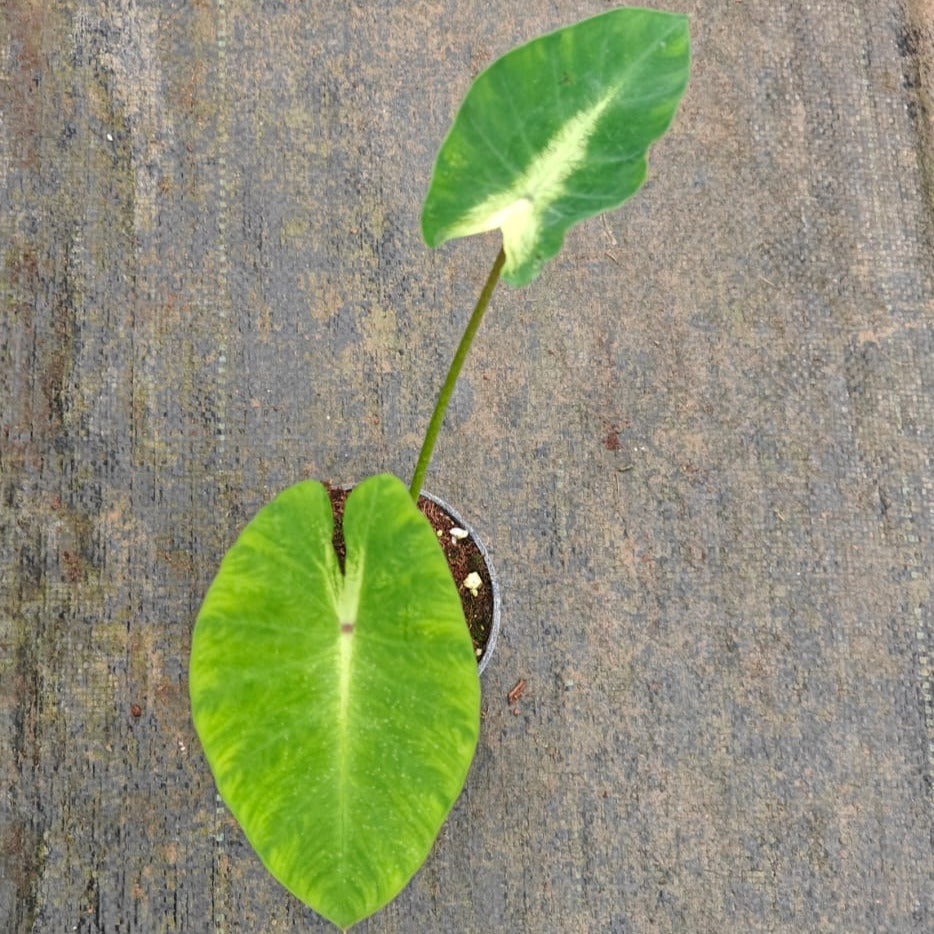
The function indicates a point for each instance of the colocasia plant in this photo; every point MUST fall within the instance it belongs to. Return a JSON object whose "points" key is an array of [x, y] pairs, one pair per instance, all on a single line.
{"points": [[337, 699]]}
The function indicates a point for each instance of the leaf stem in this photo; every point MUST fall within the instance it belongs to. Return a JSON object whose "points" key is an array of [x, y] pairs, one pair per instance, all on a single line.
{"points": [[434, 426]]}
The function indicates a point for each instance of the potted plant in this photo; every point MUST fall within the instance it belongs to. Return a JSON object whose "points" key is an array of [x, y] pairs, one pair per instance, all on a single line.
{"points": [[335, 690]]}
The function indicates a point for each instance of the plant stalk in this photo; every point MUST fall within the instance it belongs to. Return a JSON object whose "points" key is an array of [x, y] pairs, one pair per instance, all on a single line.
{"points": [[434, 426]]}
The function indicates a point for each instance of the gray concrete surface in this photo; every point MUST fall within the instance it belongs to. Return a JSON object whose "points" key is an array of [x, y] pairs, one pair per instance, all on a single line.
{"points": [[699, 447]]}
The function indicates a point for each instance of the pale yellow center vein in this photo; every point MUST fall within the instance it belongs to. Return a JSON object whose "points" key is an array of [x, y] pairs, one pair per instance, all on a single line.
{"points": [[518, 209]]}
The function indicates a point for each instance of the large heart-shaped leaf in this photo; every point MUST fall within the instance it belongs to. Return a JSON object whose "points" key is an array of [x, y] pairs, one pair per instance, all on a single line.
{"points": [[556, 131], [339, 711]]}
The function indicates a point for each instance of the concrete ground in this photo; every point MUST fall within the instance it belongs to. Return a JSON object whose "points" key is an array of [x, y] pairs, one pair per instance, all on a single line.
{"points": [[699, 447]]}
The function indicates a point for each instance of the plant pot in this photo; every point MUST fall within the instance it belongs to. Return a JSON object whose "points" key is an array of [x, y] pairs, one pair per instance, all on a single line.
{"points": [[488, 576], [465, 555]]}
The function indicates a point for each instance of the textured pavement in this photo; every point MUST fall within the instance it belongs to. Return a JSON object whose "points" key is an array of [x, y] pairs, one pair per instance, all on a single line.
{"points": [[700, 449]]}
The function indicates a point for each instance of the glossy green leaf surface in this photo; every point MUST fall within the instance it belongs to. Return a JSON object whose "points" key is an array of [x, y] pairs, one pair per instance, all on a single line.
{"points": [[556, 131], [339, 711]]}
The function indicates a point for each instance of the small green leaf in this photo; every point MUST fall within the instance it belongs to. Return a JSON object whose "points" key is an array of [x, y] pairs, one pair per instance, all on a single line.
{"points": [[339, 711], [556, 131]]}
